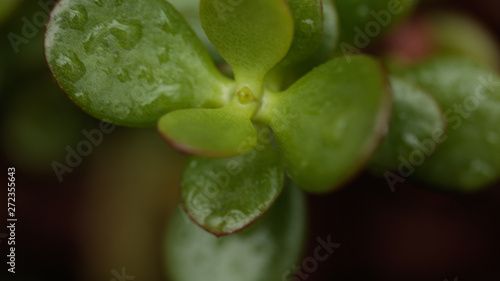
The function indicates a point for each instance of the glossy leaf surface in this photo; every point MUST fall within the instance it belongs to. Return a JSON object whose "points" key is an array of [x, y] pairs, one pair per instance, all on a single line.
{"points": [[323, 52], [218, 132], [129, 67], [363, 21], [252, 36], [262, 252], [469, 94], [190, 10], [225, 195], [331, 34], [328, 123], [416, 121], [308, 29]]}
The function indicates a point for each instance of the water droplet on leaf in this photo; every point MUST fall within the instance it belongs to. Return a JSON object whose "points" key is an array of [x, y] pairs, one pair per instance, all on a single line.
{"points": [[77, 17], [128, 34], [70, 67]]}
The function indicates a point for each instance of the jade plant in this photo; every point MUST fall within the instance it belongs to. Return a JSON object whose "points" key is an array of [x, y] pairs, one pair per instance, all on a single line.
{"points": [[293, 111], [149, 68]]}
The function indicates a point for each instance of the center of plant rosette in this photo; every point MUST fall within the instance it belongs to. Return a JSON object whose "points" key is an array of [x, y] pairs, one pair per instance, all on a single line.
{"points": [[245, 134]]}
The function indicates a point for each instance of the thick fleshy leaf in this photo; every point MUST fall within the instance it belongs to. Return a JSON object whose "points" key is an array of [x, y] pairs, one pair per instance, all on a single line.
{"points": [[262, 252], [417, 119], [330, 36], [363, 21], [329, 123], [323, 53], [308, 29], [190, 10], [220, 132], [226, 195], [469, 155], [129, 67], [252, 36]]}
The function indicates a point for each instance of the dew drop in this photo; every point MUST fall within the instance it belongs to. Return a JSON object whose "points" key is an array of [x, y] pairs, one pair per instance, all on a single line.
{"points": [[306, 26], [81, 98], [411, 140], [163, 55], [70, 67], [128, 33], [146, 74], [94, 42], [87, 43], [215, 221], [78, 17], [166, 25], [99, 3], [121, 111], [235, 217], [123, 75]]}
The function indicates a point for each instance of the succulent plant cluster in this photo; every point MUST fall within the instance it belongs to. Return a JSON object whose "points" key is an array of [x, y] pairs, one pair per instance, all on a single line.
{"points": [[295, 109]]}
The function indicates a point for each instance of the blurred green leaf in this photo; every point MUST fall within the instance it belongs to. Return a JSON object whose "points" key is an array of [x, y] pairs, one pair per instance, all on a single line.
{"points": [[469, 156], [308, 29], [325, 50], [330, 36], [130, 62], [416, 120], [363, 21], [262, 252], [225, 195], [328, 124]]}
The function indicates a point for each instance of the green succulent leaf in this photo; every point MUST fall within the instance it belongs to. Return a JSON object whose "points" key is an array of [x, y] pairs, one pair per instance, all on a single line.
{"points": [[325, 51], [363, 21], [330, 36], [308, 29], [262, 252], [226, 195], [328, 124], [416, 121], [220, 132], [129, 67], [190, 10], [252, 36], [468, 157]]}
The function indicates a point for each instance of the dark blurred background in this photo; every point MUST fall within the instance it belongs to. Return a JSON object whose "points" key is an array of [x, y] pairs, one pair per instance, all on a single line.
{"points": [[110, 211]]}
